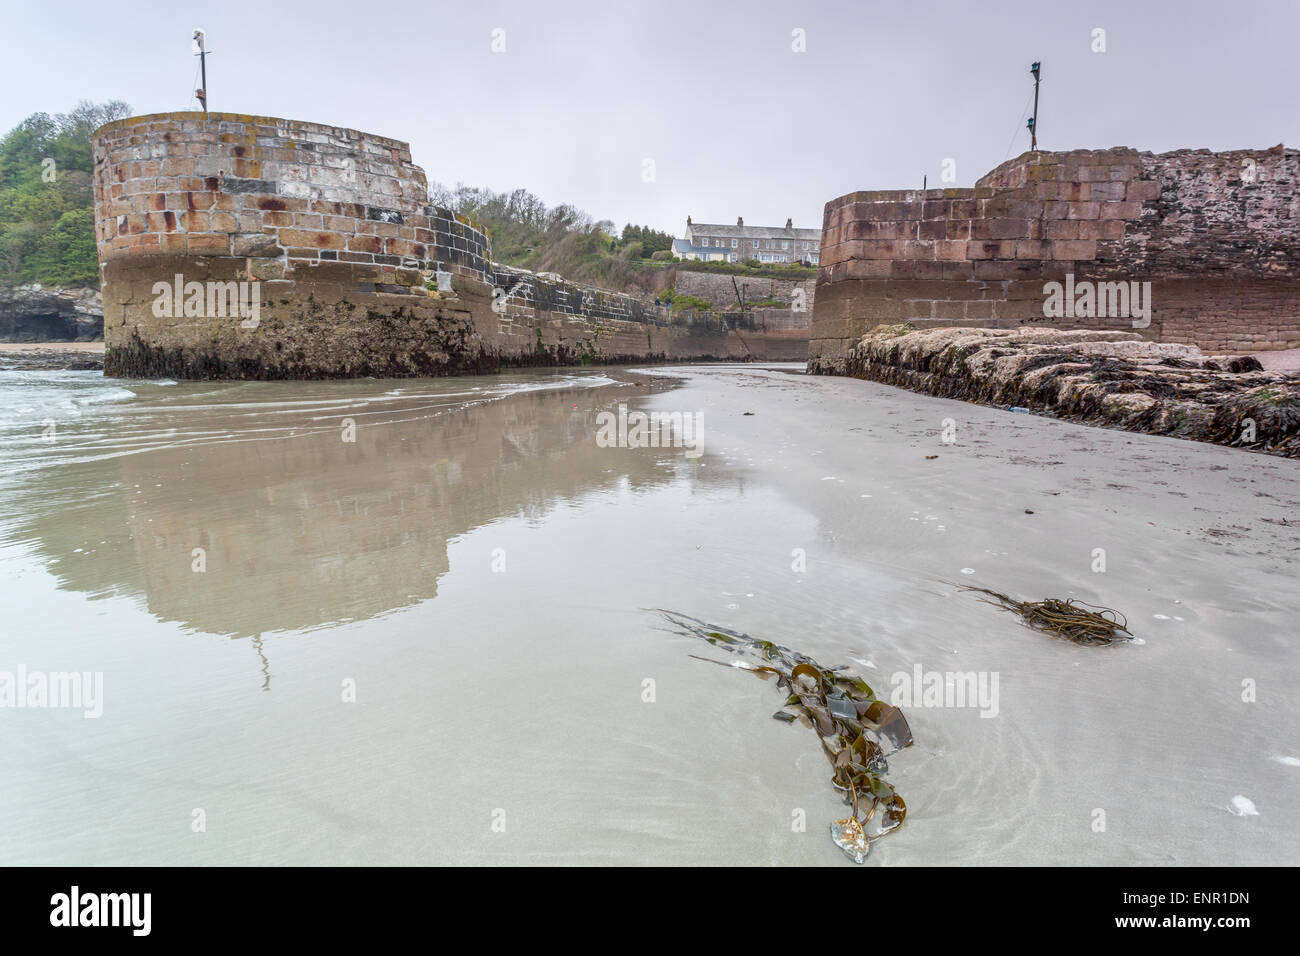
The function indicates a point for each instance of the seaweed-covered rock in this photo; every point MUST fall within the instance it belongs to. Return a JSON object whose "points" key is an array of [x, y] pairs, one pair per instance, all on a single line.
{"points": [[1107, 378]]}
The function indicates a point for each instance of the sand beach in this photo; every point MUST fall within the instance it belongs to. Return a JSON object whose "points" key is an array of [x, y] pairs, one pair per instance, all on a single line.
{"points": [[438, 642]]}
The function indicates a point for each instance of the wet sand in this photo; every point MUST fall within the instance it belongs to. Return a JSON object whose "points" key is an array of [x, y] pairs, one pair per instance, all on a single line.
{"points": [[481, 572]]}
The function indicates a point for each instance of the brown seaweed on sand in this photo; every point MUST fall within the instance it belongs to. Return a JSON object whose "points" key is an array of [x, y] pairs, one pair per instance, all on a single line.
{"points": [[857, 729], [1071, 619]]}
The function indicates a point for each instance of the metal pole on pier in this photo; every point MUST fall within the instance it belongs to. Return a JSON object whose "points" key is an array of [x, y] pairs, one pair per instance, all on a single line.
{"points": [[196, 44], [1035, 69]]}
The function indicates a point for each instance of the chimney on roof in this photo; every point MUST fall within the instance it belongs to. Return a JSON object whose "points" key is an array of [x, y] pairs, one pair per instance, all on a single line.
{"points": [[740, 223], [789, 224], [688, 220]]}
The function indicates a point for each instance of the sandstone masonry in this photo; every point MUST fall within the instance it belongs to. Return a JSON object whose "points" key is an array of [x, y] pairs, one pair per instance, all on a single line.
{"points": [[1217, 235], [357, 273]]}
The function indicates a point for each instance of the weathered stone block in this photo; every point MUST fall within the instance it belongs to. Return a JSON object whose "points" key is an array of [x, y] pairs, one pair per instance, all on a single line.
{"points": [[260, 245], [999, 228], [1121, 210], [1068, 228], [1034, 249], [991, 250], [1142, 190], [1108, 191], [310, 240], [209, 244], [234, 186]]}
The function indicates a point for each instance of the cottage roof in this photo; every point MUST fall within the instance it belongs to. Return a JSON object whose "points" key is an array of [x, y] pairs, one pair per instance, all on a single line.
{"points": [[753, 232]]}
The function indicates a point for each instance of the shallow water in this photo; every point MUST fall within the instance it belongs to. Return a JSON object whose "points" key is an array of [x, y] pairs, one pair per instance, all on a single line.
{"points": [[435, 642]]}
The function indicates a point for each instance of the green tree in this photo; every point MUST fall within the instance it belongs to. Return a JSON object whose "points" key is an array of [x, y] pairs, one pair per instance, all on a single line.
{"points": [[47, 217]]}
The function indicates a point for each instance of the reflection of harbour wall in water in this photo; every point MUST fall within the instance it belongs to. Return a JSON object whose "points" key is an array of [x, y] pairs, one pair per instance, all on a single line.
{"points": [[362, 526], [336, 228]]}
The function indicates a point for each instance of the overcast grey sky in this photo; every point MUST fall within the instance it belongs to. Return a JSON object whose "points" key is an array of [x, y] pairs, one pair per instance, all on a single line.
{"points": [[736, 121]]}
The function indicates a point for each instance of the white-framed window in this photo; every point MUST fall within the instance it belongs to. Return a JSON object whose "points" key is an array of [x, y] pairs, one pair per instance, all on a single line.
{"points": [[784, 244], [734, 243], [755, 243], [805, 245]]}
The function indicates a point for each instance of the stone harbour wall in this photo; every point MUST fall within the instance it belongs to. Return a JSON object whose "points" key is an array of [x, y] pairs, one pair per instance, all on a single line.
{"points": [[1216, 234], [329, 234], [285, 191], [550, 293], [716, 288]]}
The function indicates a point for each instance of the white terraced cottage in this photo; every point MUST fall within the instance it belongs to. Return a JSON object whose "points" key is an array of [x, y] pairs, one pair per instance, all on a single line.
{"points": [[710, 242]]}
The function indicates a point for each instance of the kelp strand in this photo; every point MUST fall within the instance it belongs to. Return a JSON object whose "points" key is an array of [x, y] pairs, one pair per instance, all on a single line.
{"points": [[856, 729], [1070, 619]]}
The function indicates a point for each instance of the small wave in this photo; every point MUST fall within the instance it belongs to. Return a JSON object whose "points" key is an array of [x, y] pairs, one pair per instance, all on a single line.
{"points": [[566, 381], [107, 395]]}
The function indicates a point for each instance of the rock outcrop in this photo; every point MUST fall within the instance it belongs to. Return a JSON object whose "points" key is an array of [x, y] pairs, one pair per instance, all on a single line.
{"points": [[32, 313], [1100, 377]]}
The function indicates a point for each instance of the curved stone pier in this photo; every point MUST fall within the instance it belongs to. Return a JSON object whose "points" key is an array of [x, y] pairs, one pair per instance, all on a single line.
{"points": [[235, 246]]}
